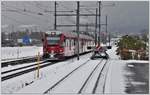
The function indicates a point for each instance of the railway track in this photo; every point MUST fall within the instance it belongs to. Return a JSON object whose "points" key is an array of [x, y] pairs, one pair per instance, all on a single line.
{"points": [[65, 77], [88, 79], [26, 60], [30, 68], [27, 69], [94, 91], [18, 61], [23, 67]]}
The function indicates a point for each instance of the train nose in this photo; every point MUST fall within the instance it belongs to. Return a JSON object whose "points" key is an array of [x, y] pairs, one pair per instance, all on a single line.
{"points": [[51, 49], [52, 53]]}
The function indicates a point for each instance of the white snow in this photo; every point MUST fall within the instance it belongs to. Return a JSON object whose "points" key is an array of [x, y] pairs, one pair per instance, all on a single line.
{"points": [[115, 83], [112, 53], [74, 82], [10, 67], [13, 53], [137, 61], [93, 79], [131, 66], [42, 85], [115, 80], [15, 84], [16, 71]]}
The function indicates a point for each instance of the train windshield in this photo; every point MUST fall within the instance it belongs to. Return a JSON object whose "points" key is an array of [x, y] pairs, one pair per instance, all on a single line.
{"points": [[53, 40]]}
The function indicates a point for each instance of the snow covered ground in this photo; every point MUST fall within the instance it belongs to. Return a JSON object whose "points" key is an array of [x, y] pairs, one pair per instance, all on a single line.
{"points": [[115, 80], [10, 67], [16, 71], [11, 53], [74, 83], [49, 73]]}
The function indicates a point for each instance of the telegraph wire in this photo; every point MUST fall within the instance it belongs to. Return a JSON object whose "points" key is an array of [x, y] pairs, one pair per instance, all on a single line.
{"points": [[22, 12]]}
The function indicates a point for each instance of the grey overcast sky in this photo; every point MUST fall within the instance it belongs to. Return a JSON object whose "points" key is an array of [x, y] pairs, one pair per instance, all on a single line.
{"points": [[123, 16]]}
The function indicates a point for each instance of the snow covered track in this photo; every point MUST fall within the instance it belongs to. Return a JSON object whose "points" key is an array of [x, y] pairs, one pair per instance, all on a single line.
{"points": [[22, 70], [80, 79], [27, 68], [22, 67], [19, 61], [47, 91], [90, 84], [95, 89], [85, 83]]}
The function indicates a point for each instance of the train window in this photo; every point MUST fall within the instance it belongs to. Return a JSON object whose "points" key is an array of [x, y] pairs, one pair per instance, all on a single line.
{"points": [[74, 42], [70, 44], [66, 42], [62, 44]]}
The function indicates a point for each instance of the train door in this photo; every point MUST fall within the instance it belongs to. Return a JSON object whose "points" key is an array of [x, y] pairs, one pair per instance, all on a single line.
{"points": [[67, 47], [75, 45], [82, 44]]}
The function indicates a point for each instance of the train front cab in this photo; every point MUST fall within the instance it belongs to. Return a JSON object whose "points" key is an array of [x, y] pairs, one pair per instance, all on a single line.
{"points": [[53, 46]]}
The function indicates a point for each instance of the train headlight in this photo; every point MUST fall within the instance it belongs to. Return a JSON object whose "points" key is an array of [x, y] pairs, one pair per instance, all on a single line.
{"points": [[61, 50]]}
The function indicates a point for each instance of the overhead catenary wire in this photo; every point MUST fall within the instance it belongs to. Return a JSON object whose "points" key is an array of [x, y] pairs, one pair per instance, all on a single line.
{"points": [[26, 13], [41, 7], [25, 10], [70, 18], [38, 5], [17, 21]]}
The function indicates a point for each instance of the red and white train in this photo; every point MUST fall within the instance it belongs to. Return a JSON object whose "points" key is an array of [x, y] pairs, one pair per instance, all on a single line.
{"points": [[58, 45]]}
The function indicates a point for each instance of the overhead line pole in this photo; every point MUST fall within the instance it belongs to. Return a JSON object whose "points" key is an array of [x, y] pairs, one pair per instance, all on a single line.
{"points": [[106, 30], [96, 28], [77, 27], [87, 27], [99, 40], [55, 18]]}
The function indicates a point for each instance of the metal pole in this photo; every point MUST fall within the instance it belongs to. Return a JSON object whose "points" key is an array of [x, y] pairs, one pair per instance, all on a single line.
{"points": [[55, 19], [87, 27], [96, 28], [106, 30], [99, 23], [77, 28], [109, 39]]}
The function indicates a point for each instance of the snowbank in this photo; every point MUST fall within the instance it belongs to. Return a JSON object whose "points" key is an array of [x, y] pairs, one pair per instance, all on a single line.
{"points": [[9, 53], [137, 61]]}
